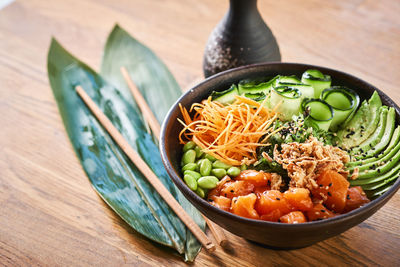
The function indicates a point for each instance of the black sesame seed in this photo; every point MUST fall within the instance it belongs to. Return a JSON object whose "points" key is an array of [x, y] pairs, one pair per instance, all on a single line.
{"points": [[348, 196], [329, 194], [321, 185], [278, 198], [322, 210], [379, 170], [209, 200], [232, 191], [330, 184]]}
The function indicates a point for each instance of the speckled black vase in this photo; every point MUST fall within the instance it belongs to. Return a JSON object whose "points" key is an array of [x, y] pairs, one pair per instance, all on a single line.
{"points": [[241, 38]]}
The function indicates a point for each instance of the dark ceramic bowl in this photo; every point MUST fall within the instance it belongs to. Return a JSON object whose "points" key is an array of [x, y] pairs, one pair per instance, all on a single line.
{"points": [[269, 233]]}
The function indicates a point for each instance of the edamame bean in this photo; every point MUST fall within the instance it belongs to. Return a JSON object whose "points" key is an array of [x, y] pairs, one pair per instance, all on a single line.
{"points": [[190, 181], [205, 167], [208, 182], [220, 165], [200, 192], [243, 167], [199, 153], [219, 173], [189, 156], [210, 158], [196, 175], [189, 145], [233, 171], [199, 161], [189, 166]]}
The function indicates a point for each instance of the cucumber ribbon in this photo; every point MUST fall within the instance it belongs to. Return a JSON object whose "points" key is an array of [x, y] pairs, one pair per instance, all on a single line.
{"points": [[343, 101], [318, 113], [317, 80]]}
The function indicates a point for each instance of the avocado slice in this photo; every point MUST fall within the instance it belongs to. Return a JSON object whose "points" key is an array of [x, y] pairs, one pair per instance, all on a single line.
{"points": [[379, 184], [377, 154], [386, 137], [375, 137], [385, 166], [362, 125], [375, 164], [380, 191], [377, 178]]}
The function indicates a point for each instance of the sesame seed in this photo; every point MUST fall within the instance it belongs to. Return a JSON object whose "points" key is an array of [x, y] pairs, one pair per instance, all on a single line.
{"points": [[278, 198], [329, 194]]}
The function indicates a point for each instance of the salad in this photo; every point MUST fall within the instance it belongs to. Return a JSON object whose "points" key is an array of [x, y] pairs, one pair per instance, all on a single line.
{"points": [[289, 149]]}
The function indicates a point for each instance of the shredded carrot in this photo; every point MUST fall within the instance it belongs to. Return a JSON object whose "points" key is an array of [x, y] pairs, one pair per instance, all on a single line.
{"points": [[230, 133]]}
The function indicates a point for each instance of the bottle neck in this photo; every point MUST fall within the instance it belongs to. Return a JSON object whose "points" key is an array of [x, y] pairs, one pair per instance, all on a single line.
{"points": [[243, 6], [242, 14]]}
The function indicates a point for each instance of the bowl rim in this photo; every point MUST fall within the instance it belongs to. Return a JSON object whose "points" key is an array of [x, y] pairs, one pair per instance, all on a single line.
{"points": [[194, 198]]}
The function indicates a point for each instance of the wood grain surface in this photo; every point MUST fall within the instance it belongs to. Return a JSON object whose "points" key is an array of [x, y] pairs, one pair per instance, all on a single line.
{"points": [[50, 215]]}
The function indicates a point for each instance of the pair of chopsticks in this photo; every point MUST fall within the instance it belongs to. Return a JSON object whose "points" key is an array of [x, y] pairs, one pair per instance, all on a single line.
{"points": [[144, 168], [218, 233]]}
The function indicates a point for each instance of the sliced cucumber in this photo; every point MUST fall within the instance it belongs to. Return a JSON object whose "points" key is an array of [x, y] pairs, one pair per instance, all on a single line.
{"points": [[288, 99], [287, 79], [307, 91], [319, 113], [317, 80], [254, 86], [225, 97], [342, 102], [259, 97]]}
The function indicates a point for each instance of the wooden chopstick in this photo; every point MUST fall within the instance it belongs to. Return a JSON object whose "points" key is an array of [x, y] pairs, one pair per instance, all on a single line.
{"points": [[146, 111], [217, 231], [146, 171]]}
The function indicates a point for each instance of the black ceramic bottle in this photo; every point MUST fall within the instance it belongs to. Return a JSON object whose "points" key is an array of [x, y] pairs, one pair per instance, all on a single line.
{"points": [[240, 38]]}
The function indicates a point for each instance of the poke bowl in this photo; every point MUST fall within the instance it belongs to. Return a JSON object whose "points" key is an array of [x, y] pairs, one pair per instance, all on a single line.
{"points": [[274, 232]]}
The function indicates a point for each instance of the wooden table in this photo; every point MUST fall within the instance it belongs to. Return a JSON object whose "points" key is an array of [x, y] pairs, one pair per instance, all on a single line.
{"points": [[50, 215]]}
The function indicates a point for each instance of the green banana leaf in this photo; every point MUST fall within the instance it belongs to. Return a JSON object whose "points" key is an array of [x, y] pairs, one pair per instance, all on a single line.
{"points": [[148, 72], [112, 175], [158, 87]]}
